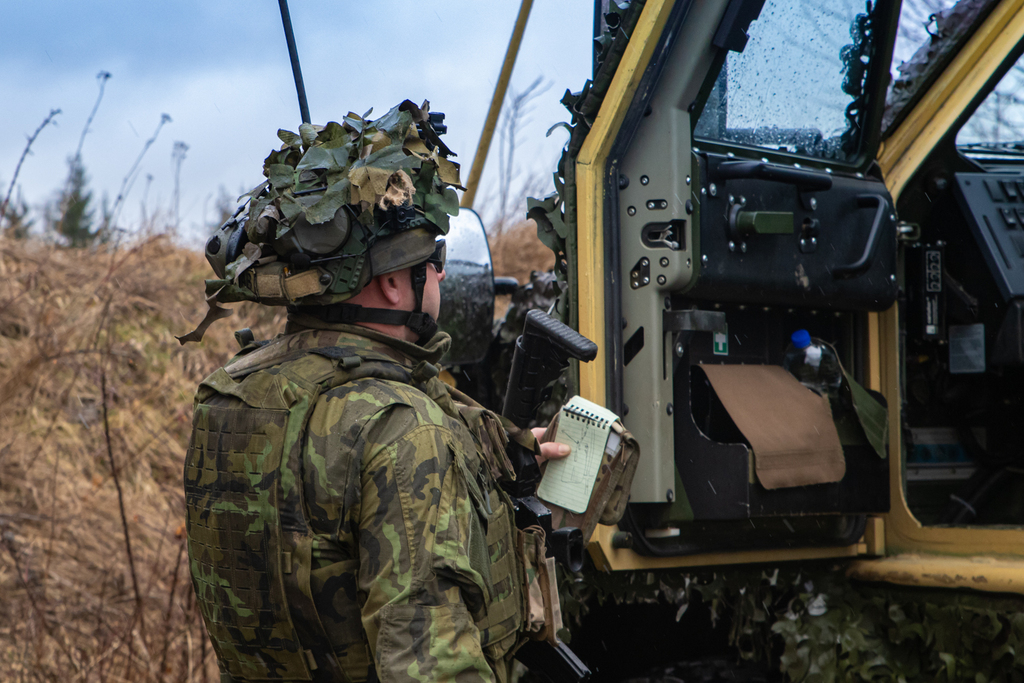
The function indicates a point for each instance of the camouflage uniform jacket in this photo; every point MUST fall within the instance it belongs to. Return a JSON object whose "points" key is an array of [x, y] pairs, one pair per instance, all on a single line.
{"points": [[376, 533]]}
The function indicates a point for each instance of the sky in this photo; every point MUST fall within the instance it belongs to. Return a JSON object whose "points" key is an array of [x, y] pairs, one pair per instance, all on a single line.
{"points": [[220, 71]]}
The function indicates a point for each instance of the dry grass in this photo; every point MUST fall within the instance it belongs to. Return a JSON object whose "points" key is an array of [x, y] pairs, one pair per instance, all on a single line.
{"points": [[516, 252], [95, 407], [95, 410]]}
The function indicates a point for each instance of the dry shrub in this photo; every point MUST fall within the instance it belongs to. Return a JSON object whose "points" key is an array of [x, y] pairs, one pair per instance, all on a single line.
{"points": [[95, 411], [516, 252]]}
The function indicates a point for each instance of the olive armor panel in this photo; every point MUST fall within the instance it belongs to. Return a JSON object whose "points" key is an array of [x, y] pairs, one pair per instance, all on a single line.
{"points": [[286, 497]]}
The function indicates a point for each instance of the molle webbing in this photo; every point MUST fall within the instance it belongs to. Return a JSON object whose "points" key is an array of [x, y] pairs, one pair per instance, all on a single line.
{"points": [[246, 522], [234, 467], [499, 630], [248, 433]]}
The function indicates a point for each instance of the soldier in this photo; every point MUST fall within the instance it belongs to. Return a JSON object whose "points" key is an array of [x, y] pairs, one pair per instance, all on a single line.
{"points": [[344, 517]]}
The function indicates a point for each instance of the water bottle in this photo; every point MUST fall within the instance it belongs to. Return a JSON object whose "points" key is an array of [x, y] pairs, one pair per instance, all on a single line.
{"points": [[814, 363]]}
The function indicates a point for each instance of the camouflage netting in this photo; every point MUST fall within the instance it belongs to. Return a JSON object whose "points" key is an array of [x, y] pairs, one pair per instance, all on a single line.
{"points": [[952, 29], [814, 625], [359, 163], [556, 214], [338, 182]]}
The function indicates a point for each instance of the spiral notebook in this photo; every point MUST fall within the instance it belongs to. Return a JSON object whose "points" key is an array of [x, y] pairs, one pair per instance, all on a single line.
{"points": [[585, 426]]}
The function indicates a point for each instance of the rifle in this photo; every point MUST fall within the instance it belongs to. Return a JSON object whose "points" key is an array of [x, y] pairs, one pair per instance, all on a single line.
{"points": [[542, 353]]}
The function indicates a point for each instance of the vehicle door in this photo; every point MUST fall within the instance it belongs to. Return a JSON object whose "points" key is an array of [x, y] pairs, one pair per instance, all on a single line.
{"points": [[731, 198]]}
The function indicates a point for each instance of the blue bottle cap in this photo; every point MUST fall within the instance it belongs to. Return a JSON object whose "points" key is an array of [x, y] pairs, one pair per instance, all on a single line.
{"points": [[801, 339]]}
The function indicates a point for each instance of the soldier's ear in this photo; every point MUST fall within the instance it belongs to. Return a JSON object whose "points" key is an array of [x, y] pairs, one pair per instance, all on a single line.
{"points": [[392, 287]]}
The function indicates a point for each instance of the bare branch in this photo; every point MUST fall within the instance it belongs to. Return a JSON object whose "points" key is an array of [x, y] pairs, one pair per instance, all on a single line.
{"points": [[102, 77], [76, 161], [514, 117], [139, 614], [17, 169], [129, 178], [178, 155]]}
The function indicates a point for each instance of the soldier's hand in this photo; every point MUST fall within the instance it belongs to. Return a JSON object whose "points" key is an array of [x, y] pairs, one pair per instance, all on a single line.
{"points": [[550, 449]]}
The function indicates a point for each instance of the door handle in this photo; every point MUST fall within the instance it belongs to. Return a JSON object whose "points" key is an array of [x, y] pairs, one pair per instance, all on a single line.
{"points": [[807, 181], [742, 224], [864, 262]]}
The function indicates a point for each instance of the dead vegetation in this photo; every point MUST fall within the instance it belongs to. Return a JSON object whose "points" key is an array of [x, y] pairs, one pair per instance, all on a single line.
{"points": [[516, 252], [95, 409], [95, 412]]}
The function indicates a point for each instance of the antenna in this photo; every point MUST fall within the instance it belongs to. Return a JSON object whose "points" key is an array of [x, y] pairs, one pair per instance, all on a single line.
{"points": [[293, 54]]}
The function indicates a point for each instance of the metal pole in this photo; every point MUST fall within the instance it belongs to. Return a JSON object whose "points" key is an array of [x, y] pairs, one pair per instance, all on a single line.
{"points": [[293, 54], [480, 158]]}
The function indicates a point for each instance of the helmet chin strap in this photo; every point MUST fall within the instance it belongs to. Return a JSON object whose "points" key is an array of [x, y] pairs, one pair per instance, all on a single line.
{"points": [[428, 327], [423, 324]]}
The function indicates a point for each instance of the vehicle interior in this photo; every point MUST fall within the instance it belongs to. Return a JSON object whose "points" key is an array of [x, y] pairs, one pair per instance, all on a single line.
{"points": [[962, 323], [773, 217]]}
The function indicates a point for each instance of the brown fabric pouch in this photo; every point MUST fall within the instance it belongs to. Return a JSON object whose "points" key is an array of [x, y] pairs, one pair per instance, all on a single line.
{"points": [[540, 590], [611, 489]]}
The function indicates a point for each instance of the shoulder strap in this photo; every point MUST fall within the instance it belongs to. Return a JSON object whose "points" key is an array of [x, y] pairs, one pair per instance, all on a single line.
{"points": [[284, 349]]}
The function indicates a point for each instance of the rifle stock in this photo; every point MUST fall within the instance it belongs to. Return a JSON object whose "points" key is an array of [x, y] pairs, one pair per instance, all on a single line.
{"points": [[542, 353]]}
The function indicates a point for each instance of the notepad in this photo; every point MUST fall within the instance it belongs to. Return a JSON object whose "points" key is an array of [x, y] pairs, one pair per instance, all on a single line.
{"points": [[584, 426]]}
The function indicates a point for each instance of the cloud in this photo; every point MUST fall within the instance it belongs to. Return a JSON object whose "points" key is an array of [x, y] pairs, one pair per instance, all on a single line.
{"points": [[220, 69], [159, 36]]}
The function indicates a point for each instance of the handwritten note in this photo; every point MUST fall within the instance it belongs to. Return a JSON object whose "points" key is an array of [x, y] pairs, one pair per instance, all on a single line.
{"points": [[568, 482]]}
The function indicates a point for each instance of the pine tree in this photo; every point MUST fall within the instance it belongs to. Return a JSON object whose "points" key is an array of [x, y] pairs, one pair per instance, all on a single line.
{"points": [[16, 223], [70, 216]]}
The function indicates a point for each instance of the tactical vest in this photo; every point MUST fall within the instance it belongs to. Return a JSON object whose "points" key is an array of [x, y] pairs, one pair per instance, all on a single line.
{"points": [[249, 536]]}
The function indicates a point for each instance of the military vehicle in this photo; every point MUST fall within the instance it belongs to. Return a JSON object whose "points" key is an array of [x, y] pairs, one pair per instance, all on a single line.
{"points": [[739, 170]]}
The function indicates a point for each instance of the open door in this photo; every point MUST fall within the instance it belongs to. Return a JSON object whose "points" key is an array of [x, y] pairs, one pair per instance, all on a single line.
{"points": [[954, 346], [739, 202]]}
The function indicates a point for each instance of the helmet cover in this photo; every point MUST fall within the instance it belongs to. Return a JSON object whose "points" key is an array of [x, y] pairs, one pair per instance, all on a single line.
{"points": [[341, 204]]}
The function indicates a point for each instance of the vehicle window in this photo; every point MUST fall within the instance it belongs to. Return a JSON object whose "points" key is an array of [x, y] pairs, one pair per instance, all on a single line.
{"points": [[798, 85], [918, 24], [997, 126], [929, 33]]}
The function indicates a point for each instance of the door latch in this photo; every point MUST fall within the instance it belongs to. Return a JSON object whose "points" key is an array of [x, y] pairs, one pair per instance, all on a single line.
{"points": [[743, 224]]}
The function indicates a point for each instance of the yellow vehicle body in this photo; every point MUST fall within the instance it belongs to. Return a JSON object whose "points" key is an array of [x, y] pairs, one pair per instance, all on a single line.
{"points": [[895, 547]]}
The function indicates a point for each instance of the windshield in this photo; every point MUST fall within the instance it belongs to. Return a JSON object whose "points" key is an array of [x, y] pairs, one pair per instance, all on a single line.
{"points": [[798, 86], [997, 126]]}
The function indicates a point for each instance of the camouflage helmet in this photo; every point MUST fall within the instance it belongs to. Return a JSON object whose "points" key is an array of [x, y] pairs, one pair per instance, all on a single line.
{"points": [[341, 204]]}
